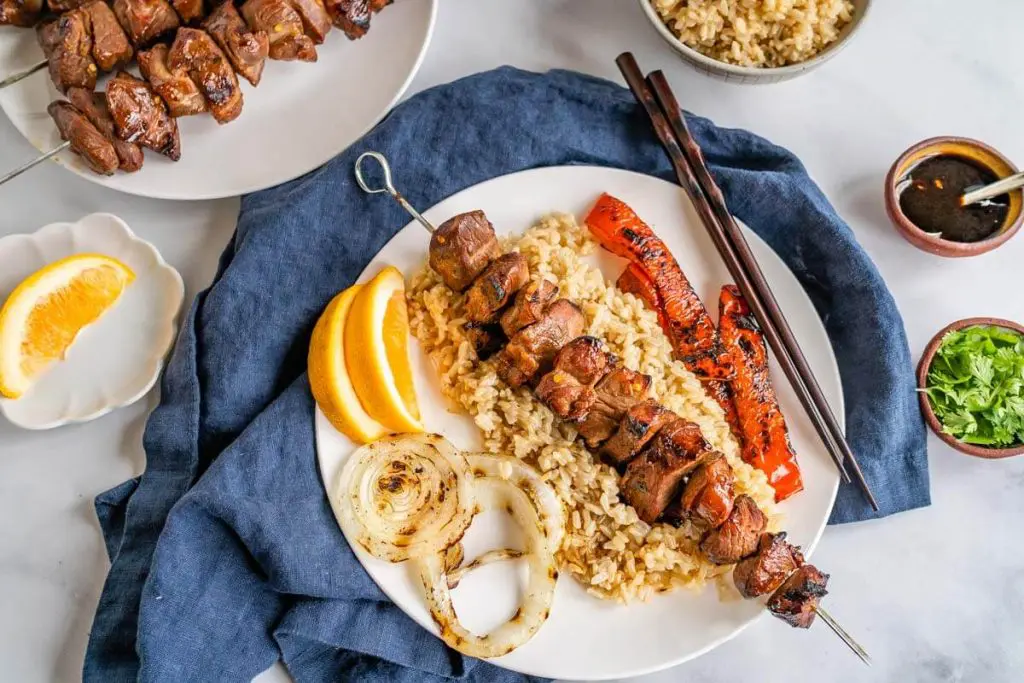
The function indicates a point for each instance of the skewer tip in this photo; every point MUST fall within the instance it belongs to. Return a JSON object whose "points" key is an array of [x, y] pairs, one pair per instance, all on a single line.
{"points": [[843, 635]]}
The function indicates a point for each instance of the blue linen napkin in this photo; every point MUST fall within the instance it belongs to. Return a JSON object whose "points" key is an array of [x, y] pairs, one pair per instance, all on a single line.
{"points": [[225, 554]]}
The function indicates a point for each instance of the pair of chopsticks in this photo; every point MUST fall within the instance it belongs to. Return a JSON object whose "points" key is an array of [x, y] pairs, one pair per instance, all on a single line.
{"points": [[656, 97]]}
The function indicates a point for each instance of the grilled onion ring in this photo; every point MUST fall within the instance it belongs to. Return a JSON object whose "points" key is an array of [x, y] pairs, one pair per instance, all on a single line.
{"points": [[406, 496], [495, 492]]}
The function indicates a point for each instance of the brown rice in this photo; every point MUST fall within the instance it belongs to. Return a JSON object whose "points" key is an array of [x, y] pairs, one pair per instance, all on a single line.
{"points": [[760, 33], [607, 548]]}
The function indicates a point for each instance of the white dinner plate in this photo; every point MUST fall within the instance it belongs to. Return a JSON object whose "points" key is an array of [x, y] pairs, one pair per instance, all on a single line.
{"points": [[116, 360], [587, 638], [299, 117]]}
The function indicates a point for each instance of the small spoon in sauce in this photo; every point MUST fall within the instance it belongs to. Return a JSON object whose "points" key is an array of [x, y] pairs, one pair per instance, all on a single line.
{"points": [[980, 193]]}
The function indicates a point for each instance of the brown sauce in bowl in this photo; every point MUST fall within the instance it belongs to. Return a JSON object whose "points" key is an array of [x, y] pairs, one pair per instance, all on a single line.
{"points": [[931, 199]]}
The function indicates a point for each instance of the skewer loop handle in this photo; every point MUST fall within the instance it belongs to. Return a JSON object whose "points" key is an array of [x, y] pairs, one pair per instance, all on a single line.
{"points": [[389, 186]]}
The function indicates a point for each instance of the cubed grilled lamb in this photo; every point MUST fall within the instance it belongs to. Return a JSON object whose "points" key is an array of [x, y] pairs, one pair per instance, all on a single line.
{"points": [[145, 20], [141, 117], [351, 16], [768, 568], [654, 477], [737, 537], [462, 247], [637, 427], [67, 44], [796, 599], [315, 19], [23, 13], [528, 306], [195, 53], [568, 389], [617, 392], [110, 44], [284, 29], [530, 352], [246, 49], [86, 141], [177, 89], [94, 106], [709, 494], [496, 286]]}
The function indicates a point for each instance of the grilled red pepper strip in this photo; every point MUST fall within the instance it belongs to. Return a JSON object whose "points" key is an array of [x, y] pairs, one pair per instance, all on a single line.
{"points": [[763, 428], [619, 230]]}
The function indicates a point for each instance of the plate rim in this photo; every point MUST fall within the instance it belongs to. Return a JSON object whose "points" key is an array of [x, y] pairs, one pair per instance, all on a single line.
{"points": [[156, 192], [321, 423]]}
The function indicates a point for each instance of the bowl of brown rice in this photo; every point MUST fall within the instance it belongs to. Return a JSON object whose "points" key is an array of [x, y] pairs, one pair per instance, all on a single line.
{"points": [[756, 41]]}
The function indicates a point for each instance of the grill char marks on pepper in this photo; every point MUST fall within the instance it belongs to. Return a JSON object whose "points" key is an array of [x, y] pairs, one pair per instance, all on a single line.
{"points": [[765, 440]]}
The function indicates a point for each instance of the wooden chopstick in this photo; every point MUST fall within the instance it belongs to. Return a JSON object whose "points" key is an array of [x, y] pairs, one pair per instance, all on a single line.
{"points": [[688, 162]]}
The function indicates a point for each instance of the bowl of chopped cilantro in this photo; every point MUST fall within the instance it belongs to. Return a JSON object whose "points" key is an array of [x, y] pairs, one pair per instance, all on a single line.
{"points": [[971, 386]]}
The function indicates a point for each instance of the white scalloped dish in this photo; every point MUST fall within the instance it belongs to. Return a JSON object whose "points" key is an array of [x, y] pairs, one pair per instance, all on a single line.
{"points": [[116, 360]]}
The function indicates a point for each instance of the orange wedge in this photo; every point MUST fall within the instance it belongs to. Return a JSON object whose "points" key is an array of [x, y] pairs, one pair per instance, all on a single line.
{"points": [[41, 319], [377, 352], [328, 376]]}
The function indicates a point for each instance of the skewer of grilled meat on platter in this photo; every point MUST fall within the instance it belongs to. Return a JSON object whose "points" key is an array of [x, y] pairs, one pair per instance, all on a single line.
{"points": [[188, 60], [669, 471]]}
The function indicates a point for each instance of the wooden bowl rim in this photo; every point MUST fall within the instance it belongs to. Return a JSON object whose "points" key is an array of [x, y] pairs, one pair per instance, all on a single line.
{"points": [[926, 407]]}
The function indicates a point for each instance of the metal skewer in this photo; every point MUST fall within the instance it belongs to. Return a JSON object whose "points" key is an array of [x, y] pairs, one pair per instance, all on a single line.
{"points": [[843, 635], [22, 75], [35, 162], [496, 555], [993, 190], [389, 186]]}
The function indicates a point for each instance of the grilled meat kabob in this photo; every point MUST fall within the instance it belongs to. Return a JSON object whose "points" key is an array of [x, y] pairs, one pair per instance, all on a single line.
{"points": [[194, 74], [669, 471]]}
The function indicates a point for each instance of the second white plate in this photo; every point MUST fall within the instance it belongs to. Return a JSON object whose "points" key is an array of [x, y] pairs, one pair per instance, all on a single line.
{"points": [[299, 117]]}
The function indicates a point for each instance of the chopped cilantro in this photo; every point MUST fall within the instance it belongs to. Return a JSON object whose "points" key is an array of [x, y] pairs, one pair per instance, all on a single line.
{"points": [[976, 386]]}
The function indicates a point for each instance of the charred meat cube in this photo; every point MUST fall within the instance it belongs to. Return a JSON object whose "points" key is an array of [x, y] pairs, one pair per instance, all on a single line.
{"points": [[23, 13], [529, 305], [638, 426], [86, 141], [67, 44], [284, 29], [462, 248], [653, 478], [532, 348], [764, 571], [145, 20], [565, 396], [796, 599], [617, 392], [351, 16], [141, 116], [177, 89], [94, 106], [737, 537], [486, 338], [315, 19], [493, 289], [110, 45], [246, 49], [709, 494], [194, 52], [378, 5], [188, 10], [568, 390]]}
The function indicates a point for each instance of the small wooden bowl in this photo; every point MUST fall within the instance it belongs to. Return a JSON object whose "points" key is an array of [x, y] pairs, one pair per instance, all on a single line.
{"points": [[926, 406], [976, 151]]}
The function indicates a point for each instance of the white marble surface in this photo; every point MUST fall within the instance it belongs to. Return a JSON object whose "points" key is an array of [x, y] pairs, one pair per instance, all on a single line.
{"points": [[935, 595]]}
